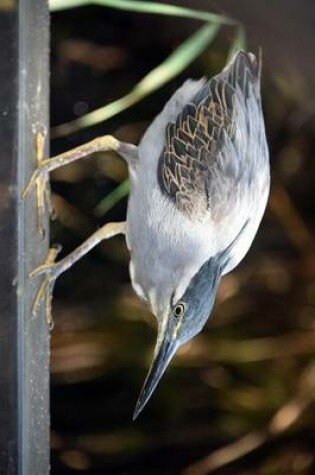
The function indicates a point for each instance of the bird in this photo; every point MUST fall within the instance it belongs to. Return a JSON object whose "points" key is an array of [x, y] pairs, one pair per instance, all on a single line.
{"points": [[199, 181]]}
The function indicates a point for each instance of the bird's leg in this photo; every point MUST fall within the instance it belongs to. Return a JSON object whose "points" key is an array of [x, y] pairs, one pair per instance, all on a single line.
{"points": [[52, 270], [40, 177]]}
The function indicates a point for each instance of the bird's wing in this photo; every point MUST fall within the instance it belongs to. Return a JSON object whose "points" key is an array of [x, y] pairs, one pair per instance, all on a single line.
{"points": [[199, 166]]}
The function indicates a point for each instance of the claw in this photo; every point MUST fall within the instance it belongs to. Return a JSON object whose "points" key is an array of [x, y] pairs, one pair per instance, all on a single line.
{"points": [[40, 179], [31, 183], [44, 293]]}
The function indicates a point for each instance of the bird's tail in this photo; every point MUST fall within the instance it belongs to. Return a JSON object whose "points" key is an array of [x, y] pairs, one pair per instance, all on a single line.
{"points": [[244, 70]]}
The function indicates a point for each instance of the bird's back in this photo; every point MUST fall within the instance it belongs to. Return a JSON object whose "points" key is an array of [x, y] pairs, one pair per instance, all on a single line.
{"points": [[203, 171]]}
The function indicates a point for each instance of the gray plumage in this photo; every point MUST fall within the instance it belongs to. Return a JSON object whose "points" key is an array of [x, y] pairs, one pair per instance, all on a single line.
{"points": [[202, 173], [199, 187]]}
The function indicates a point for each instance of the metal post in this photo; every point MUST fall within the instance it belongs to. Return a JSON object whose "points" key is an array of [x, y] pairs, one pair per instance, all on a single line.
{"points": [[24, 342]]}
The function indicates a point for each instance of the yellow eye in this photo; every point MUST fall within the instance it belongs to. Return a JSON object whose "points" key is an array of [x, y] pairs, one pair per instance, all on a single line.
{"points": [[179, 310]]}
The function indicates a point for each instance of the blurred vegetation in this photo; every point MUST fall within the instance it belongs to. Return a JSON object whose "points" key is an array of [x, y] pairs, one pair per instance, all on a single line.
{"points": [[239, 399]]}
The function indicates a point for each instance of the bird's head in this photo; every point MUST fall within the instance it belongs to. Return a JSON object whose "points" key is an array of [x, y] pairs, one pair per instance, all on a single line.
{"points": [[185, 318]]}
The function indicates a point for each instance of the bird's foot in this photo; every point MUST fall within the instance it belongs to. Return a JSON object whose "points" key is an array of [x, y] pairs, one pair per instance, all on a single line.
{"points": [[51, 271], [40, 180]]}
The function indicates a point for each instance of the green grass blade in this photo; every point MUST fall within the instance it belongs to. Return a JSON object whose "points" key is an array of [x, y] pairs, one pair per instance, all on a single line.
{"points": [[146, 7], [239, 42], [174, 64], [120, 192]]}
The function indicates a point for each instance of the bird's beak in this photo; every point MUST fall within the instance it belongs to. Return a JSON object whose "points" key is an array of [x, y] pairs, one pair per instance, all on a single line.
{"points": [[162, 357]]}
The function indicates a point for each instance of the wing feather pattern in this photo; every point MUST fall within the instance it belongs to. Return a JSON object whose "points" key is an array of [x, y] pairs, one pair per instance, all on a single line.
{"points": [[205, 152]]}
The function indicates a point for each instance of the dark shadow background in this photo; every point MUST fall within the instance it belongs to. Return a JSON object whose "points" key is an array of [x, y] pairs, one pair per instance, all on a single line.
{"points": [[249, 378]]}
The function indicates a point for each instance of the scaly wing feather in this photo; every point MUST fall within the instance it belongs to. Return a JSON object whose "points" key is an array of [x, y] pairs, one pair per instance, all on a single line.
{"points": [[201, 145]]}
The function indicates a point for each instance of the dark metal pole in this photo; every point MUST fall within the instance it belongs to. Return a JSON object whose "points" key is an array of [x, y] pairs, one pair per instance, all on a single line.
{"points": [[24, 341]]}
